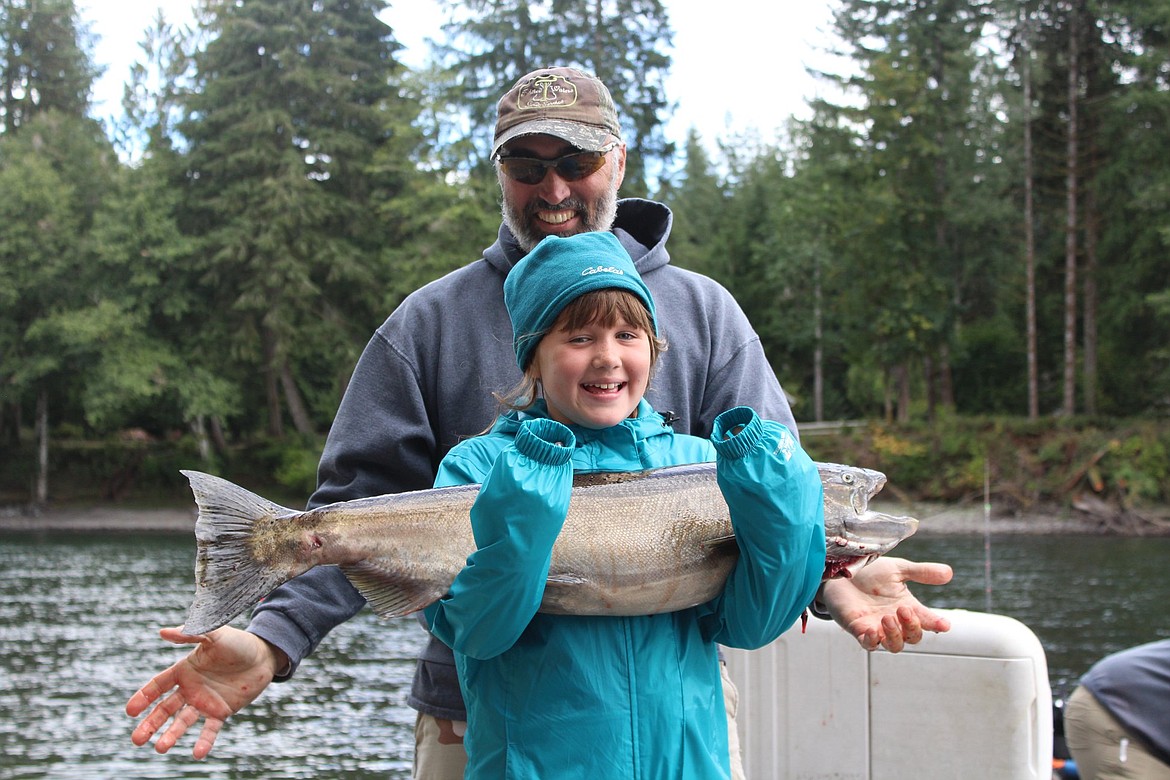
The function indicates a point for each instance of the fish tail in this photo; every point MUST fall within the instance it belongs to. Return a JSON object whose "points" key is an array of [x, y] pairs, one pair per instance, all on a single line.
{"points": [[229, 577]]}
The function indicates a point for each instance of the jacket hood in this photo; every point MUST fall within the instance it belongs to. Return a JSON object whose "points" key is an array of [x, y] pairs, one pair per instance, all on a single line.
{"points": [[641, 225]]}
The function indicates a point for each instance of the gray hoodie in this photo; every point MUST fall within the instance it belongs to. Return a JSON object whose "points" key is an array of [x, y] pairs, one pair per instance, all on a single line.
{"points": [[425, 381]]}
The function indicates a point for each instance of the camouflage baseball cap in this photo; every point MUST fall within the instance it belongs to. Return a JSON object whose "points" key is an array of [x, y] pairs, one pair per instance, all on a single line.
{"points": [[563, 102]]}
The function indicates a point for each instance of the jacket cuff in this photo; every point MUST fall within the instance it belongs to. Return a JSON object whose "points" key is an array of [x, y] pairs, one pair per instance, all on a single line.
{"points": [[546, 441], [275, 630], [736, 432], [817, 608]]}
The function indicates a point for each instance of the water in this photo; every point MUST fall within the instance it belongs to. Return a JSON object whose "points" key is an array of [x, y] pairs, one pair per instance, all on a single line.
{"points": [[1083, 596], [78, 635], [79, 613]]}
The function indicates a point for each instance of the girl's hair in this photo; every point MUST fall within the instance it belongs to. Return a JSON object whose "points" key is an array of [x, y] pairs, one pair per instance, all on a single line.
{"points": [[602, 307]]}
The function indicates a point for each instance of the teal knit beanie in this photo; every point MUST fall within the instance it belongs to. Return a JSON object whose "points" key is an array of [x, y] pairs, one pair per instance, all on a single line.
{"points": [[557, 272]]}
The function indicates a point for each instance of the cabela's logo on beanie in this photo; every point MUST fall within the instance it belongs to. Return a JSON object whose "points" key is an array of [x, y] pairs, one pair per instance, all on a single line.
{"points": [[602, 269]]}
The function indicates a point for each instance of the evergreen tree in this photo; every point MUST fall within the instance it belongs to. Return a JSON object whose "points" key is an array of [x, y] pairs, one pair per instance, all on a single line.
{"points": [[44, 60], [291, 103], [923, 107], [1128, 98], [55, 164], [698, 202], [151, 99]]}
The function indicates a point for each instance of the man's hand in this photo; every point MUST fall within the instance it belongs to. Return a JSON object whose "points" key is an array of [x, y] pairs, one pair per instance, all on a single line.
{"points": [[877, 608], [227, 670]]}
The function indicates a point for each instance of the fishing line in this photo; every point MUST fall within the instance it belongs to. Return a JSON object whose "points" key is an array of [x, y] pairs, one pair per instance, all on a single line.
{"points": [[986, 535]]}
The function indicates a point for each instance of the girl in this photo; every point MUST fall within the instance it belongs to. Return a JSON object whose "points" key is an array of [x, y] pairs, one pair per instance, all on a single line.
{"points": [[554, 696]]}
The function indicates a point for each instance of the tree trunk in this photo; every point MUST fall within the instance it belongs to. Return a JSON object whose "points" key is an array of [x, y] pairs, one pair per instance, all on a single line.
{"points": [[888, 396], [946, 379], [903, 378], [818, 346], [296, 405], [1089, 290], [272, 385], [218, 438], [1068, 407], [928, 376], [938, 375], [41, 494], [199, 430], [1030, 230]]}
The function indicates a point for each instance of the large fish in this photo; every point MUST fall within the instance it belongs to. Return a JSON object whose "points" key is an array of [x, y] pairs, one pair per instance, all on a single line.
{"points": [[633, 543]]}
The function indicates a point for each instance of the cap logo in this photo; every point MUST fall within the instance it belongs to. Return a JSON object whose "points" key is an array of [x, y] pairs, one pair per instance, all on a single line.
{"points": [[546, 92], [603, 269]]}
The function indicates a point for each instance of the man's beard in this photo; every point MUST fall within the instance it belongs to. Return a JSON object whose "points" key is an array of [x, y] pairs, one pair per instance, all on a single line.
{"points": [[523, 223]]}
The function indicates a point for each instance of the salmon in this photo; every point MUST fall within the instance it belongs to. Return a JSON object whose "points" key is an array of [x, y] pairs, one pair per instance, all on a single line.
{"points": [[634, 543]]}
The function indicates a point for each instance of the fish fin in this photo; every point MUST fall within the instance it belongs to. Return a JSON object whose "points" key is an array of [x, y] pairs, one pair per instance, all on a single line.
{"points": [[389, 595], [718, 541], [228, 576], [565, 578]]}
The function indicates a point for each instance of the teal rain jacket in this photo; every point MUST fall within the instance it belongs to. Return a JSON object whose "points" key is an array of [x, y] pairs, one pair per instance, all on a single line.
{"points": [[616, 697]]}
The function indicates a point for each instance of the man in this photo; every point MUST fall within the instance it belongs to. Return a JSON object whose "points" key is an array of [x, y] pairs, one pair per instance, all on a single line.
{"points": [[1115, 723], [426, 380]]}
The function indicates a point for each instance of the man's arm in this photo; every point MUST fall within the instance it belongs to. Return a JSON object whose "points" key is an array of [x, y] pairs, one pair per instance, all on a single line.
{"points": [[226, 672]]}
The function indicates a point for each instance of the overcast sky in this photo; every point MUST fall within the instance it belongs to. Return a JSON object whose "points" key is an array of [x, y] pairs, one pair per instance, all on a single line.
{"points": [[738, 68]]}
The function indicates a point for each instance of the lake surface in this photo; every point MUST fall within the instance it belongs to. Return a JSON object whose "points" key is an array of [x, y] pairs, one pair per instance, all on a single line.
{"points": [[78, 635]]}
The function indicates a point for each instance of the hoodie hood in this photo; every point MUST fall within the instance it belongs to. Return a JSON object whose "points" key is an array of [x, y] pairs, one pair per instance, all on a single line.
{"points": [[642, 227]]}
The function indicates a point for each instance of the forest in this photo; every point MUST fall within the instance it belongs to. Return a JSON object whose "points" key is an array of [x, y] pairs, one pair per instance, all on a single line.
{"points": [[977, 229]]}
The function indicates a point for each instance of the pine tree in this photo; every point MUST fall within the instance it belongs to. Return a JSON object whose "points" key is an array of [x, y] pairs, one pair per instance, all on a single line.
{"points": [[55, 164], [44, 64], [291, 103]]}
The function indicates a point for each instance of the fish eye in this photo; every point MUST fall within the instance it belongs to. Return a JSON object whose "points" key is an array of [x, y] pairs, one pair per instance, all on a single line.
{"points": [[847, 478]]}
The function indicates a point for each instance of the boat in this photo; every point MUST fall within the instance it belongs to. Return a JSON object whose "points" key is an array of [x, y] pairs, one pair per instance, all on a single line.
{"points": [[974, 702]]}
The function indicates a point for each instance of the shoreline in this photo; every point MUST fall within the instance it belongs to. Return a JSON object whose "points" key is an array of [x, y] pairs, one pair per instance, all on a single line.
{"points": [[953, 519], [98, 518], [934, 519]]}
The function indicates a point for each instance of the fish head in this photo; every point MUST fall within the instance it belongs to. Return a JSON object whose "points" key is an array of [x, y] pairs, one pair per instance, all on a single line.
{"points": [[855, 534], [848, 489]]}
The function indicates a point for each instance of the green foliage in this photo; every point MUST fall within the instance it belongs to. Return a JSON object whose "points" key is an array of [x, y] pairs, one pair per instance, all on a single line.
{"points": [[699, 203], [116, 468], [291, 103], [291, 462], [1026, 463], [285, 183], [44, 65], [988, 360]]}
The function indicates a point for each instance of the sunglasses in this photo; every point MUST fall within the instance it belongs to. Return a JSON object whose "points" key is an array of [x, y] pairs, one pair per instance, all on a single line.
{"points": [[571, 167]]}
